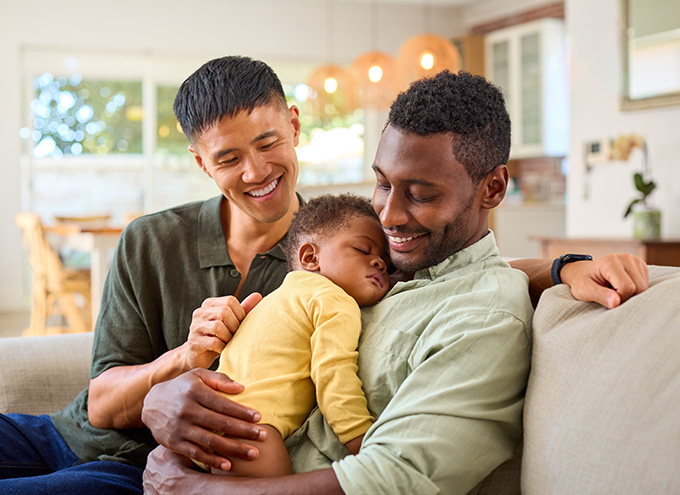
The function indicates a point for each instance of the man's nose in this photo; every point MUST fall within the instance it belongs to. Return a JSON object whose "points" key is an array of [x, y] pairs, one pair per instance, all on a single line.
{"points": [[394, 211], [255, 168]]}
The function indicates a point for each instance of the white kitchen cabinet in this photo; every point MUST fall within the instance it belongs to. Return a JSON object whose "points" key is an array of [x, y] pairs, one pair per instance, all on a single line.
{"points": [[528, 62]]}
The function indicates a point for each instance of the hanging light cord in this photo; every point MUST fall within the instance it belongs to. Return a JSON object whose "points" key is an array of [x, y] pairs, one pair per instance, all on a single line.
{"points": [[374, 23], [329, 29], [427, 12]]}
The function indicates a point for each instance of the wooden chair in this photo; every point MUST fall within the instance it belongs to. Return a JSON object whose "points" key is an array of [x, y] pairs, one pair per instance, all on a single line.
{"points": [[84, 219], [54, 287]]}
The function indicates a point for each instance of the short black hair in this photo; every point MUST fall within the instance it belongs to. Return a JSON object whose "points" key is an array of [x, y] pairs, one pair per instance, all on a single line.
{"points": [[224, 87], [468, 106], [321, 217]]}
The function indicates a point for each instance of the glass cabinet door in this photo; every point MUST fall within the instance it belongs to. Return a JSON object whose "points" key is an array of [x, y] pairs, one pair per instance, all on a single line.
{"points": [[528, 62], [500, 66], [530, 99]]}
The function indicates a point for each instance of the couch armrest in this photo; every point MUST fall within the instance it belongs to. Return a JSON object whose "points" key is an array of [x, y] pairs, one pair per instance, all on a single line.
{"points": [[40, 375], [601, 410]]}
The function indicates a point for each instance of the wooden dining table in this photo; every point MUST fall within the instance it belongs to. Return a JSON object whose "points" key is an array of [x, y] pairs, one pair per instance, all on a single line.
{"points": [[99, 241]]}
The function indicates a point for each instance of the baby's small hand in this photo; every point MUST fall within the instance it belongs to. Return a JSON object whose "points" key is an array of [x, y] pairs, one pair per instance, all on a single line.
{"points": [[213, 325]]}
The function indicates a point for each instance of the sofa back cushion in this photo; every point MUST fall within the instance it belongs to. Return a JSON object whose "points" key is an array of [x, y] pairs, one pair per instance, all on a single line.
{"points": [[602, 412], [40, 375]]}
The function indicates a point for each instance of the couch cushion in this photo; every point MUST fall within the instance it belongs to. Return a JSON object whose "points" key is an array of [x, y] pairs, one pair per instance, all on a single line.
{"points": [[602, 412], [42, 374]]}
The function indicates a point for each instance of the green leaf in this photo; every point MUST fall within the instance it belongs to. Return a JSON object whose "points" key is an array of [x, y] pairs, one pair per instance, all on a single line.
{"points": [[645, 188], [630, 207]]}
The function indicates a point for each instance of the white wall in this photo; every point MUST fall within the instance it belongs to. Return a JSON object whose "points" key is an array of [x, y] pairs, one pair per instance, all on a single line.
{"points": [[481, 12], [595, 79], [273, 30]]}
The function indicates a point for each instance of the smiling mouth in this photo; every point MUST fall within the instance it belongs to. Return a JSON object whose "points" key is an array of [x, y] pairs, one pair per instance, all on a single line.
{"points": [[258, 193], [397, 240]]}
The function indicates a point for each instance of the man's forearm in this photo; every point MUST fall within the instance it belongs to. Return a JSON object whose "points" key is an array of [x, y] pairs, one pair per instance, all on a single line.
{"points": [[116, 397], [169, 473], [538, 272], [312, 483]]}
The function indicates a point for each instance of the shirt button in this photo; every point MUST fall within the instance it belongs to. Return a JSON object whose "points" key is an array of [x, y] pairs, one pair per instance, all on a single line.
{"points": [[234, 272]]}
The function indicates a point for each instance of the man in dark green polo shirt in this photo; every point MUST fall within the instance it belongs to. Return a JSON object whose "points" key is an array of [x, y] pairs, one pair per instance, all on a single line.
{"points": [[206, 255]]}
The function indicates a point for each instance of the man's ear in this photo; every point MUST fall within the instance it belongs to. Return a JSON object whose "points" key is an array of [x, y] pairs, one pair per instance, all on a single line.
{"points": [[308, 256], [494, 187], [295, 122], [199, 160]]}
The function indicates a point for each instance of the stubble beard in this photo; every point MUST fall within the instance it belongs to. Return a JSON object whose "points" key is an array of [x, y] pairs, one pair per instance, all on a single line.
{"points": [[452, 239]]}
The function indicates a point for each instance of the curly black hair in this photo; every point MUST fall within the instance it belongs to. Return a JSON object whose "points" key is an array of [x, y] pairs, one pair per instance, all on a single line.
{"points": [[469, 107], [322, 216], [224, 87]]}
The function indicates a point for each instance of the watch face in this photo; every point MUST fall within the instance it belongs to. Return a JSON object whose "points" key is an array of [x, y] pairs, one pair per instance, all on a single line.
{"points": [[568, 258]]}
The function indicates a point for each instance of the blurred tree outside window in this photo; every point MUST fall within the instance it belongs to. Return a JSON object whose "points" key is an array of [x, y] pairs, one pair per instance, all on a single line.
{"points": [[76, 116], [170, 140], [331, 148]]}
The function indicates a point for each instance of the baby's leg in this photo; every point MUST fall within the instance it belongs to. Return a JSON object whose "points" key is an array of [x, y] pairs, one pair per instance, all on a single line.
{"points": [[272, 461]]}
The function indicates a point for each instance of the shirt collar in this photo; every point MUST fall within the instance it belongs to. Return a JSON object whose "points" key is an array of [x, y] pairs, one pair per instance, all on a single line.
{"points": [[212, 247], [479, 251]]}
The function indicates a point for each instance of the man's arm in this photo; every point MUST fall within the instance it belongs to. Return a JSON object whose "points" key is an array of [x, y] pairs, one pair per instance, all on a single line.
{"points": [[168, 473], [184, 413], [538, 272], [455, 417], [116, 396], [608, 281]]}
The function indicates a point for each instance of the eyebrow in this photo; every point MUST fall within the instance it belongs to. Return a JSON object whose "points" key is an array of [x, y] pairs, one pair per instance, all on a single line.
{"points": [[369, 238], [364, 236], [267, 134], [419, 182]]}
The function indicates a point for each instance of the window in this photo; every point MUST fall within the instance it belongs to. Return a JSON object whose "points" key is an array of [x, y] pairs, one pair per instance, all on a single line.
{"points": [[331, 149], [171, 141], [100, 135], [74, 116]]}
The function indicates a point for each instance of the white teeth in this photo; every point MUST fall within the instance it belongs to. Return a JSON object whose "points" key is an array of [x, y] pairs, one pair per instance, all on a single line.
{"points": [[266, 190], [402, 239]]}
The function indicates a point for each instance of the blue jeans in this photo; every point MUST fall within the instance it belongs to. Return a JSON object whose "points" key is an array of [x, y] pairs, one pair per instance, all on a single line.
{"points": [[34, 459]]}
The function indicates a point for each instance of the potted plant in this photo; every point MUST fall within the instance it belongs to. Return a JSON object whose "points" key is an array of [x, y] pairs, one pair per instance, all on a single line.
{"points": [[646, 218]]}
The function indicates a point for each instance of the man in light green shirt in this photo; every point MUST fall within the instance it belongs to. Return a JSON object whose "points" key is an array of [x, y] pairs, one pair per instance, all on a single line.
{"points": [[444, 357], [444, 378]]}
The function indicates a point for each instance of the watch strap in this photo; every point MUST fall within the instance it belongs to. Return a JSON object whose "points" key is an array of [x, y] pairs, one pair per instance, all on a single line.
{"points": [[559, 263]]}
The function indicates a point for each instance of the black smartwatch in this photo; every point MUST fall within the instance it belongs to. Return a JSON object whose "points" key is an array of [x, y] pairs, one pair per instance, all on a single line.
{"points": [[563, 260]]}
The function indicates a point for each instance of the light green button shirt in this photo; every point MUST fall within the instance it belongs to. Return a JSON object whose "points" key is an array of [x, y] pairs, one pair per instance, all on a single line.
{"points": [[444, 361]]}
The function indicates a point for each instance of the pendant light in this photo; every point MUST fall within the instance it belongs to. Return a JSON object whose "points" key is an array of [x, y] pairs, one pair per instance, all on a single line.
{"points": [[426, 54], [333, 89], [375, 72]]}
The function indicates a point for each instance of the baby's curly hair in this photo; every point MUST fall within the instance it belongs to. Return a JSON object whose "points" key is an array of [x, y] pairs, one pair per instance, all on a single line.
{"points": [[323, 216], [468, 106]]}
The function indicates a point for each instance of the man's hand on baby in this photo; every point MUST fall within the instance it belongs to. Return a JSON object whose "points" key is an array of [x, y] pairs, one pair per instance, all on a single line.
{"points": [[212, 326], [183, 414]]}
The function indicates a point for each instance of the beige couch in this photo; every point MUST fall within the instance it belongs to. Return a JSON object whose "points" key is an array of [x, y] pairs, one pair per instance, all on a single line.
{"points": [[602, 414]]}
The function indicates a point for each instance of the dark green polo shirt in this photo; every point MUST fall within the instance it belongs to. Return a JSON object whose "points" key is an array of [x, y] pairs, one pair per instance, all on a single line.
{"points": [[166, 264]]}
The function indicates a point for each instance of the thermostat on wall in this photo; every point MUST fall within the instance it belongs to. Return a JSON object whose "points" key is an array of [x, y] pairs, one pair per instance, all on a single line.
{"points": [[598, 151]]}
